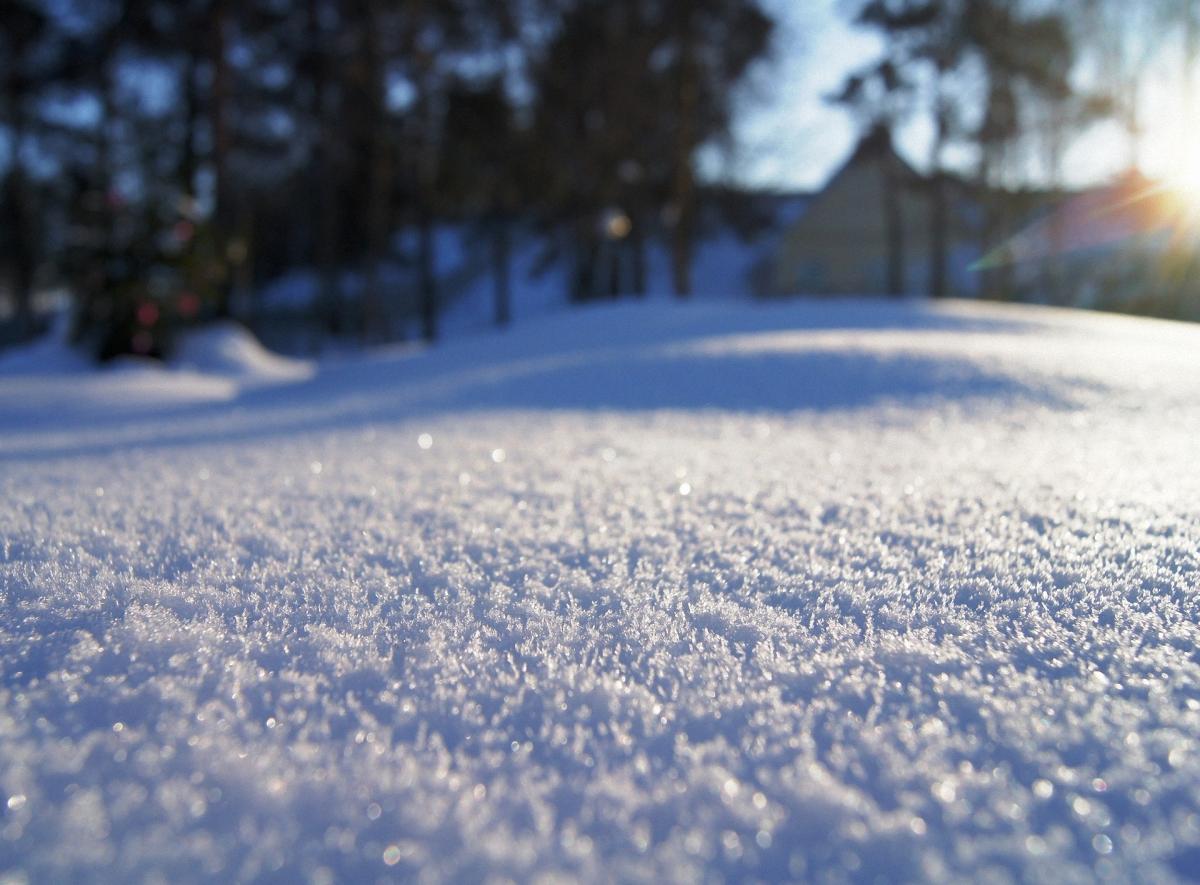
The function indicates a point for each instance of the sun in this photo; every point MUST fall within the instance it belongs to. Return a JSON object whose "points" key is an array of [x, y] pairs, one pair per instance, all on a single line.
{"points": [[1184, 183], [1180, 186], [1169, 147]]}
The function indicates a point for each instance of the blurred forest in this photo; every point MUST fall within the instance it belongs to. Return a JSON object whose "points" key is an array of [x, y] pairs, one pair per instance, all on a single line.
{"points": [[162, 159]]}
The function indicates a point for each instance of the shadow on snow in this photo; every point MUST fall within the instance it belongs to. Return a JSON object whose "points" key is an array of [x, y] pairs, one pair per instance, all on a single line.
{"points": [[668, 359]]}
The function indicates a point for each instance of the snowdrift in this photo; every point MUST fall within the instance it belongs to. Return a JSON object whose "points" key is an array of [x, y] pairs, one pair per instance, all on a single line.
{"points": [[228, 350]]}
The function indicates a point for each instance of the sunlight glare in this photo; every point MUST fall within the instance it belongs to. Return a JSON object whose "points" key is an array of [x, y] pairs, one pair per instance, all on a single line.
{"points": [[1184, 182], [1171, 148]]}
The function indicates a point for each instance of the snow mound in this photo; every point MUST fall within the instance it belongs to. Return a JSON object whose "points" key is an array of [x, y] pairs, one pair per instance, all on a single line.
{"points": [[229, 350]]}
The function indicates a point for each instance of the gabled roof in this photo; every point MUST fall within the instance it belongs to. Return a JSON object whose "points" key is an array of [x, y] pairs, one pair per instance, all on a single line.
{"points": [[877, 146]]}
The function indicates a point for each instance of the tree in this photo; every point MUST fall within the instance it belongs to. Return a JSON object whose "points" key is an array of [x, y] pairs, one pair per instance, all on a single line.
{"points": [[481, 173], [600, 139], [25, 29], [708, 45], [208, 143], [986, 54], [627, 93]]}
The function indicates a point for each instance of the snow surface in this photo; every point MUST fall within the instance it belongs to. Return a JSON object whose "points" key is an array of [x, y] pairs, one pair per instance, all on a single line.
{"points": [[827, 591]]}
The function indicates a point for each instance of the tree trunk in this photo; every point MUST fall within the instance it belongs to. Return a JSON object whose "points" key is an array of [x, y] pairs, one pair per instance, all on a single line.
{"points": [[894, 227], [329, 284], [191, 121], [20, 242], [1060, 292], [638, 245], [937, 236], [938, 233], [97, 302], [17, 215], [323, 203], [1191, 48], [998, 282], [983, 198], [586, 258], [615, 262], [684, 185], [241, 260], [379, 170], [425, 180], [427, 275], [502, 269], [219, 122]]}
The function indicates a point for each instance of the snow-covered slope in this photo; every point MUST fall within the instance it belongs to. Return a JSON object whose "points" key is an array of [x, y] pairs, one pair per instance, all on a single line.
{"points": [[831, 591], [228, 350]]}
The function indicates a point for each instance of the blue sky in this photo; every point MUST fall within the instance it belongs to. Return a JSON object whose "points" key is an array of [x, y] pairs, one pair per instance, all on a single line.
{"points": [[788, 135]]}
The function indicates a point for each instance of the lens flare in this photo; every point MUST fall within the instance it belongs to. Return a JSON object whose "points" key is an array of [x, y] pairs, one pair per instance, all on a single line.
{"points": [[1133, 211], [1184, 183]]}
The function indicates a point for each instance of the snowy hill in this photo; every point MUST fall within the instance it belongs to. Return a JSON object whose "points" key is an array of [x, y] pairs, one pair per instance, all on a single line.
{"points": [[829, 591]]}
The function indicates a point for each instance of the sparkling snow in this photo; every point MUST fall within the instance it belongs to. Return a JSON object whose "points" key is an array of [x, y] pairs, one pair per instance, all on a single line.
{"points": [[831, 591]]}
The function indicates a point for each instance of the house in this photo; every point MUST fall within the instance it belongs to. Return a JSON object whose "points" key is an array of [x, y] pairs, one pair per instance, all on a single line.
{"points": [[868, 232], [1131, 244]]}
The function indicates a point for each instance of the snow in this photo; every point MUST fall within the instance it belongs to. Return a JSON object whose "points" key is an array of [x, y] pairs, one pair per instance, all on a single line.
{"points": [[228, 350], [824, 591], [50, 383]]}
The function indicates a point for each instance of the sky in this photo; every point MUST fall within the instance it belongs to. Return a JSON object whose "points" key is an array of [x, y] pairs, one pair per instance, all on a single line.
{"points": [[790, 137]]}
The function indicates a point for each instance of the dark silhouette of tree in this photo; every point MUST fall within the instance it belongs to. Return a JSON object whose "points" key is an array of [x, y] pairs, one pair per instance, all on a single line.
{"points": [[589, 136], [209, 144], [626, 95], [24, 33], [483, 172], [709, 46]]}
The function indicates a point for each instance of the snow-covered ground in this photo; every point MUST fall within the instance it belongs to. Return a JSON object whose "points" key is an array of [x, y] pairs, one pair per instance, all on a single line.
{"points": [[824, 591]]}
